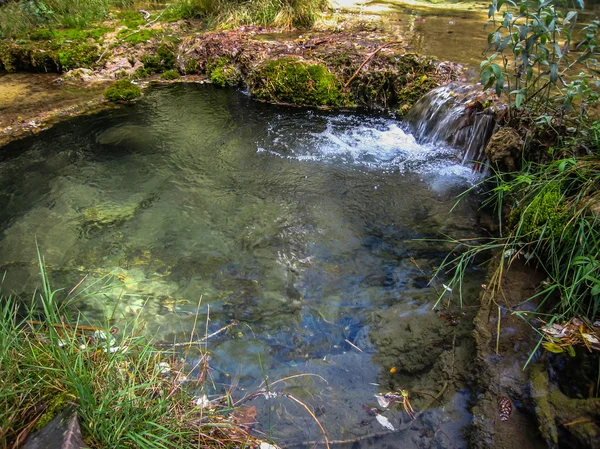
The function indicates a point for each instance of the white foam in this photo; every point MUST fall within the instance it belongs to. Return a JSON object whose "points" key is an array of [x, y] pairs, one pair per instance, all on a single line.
{"points": [[370, 143]]}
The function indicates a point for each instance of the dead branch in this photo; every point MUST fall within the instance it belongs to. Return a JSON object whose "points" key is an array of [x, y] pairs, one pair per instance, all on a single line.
{"points": [[389, 44]]}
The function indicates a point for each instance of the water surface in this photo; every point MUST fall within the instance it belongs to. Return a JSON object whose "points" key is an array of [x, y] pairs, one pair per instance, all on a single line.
{"points": [[198, 205]]}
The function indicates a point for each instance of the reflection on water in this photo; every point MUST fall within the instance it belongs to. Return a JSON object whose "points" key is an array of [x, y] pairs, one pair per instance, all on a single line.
{"points": [[305, 226]]}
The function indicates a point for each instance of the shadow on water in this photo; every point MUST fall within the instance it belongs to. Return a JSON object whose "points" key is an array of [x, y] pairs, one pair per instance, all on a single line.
{"points": [[308, 227]]}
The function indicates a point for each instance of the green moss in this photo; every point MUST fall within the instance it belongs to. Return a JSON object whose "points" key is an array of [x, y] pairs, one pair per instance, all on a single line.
{"points": [[163, 59], [130, 19], [544, 215], [141, 36], [170, 75], [411, 92], [41, 35], [294, 81], [30, 56], [122, 90], [223, 72], [56, 405], [77, 55]]}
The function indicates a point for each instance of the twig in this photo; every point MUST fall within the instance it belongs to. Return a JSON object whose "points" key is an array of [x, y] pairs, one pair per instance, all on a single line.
{"points": [[78, 284], [205, 338], [287, 395], [102, 55], [68, 327], [368, 59], [353, 345]]}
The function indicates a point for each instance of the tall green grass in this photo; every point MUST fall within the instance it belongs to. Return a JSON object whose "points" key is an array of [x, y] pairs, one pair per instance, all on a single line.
{"points": [[233, 13], [19, 17], [554, 224], [119, 389]]}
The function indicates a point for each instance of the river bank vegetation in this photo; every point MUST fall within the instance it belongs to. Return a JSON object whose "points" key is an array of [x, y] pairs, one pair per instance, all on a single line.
{"points": [[545, 157], [125, 391], [543, 183]]}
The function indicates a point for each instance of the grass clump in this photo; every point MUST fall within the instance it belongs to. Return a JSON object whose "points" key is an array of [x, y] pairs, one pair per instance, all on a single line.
{"points": [[170, 75], [233, 13], [18, 18], [554, 224], [122, 90], [297, 82], [125, 391]]}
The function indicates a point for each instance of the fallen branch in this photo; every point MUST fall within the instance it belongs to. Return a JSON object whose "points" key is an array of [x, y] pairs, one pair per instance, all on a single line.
{"points": [[389, 44]]}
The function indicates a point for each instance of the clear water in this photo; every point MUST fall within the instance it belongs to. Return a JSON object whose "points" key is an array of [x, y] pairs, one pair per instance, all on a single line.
{"points": [[307, 226]]}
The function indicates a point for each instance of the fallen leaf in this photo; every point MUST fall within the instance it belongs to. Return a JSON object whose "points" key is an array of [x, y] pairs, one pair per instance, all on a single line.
{"points": [[382, 401], [245, 416], [552, 347], [590, 338], [385, 422]]}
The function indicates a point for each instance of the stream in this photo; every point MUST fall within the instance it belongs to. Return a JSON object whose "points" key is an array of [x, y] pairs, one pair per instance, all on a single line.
{"points": [[317, 231]]}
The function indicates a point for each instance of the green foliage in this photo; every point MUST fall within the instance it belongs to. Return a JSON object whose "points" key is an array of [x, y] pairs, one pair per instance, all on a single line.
{"points": [[222, 72], [19, 17], [122, 90], [170, 75], [233, 13], [297, 82], [134, 38], [162, 59], [555, 223], [534, 64], [77, 55]]}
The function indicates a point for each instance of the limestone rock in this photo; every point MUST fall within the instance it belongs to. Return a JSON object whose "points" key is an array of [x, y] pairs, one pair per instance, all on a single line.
{"points": [[504, 148]]}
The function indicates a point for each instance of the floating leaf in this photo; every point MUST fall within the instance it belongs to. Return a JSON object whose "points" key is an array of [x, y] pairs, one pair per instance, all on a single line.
{"points": [[552, 347], [385, 422], [571, 351], [382, 401]]}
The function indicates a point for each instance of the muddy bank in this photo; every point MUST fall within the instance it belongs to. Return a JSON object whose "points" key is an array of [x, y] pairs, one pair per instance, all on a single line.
{"points": [[541, 411]]}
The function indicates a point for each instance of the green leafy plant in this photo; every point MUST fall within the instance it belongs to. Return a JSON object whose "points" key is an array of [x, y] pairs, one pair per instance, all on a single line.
{"points": [[534, 61]]}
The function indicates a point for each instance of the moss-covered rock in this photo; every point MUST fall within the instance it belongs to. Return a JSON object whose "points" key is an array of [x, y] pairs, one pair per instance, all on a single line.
{"points": [[545, 214], [122, 90], [223, 72], [170, 75], [54, 406], [28, 56], [52, 56], [558, 415], [161, 60], [77, 55], [298, 82]]}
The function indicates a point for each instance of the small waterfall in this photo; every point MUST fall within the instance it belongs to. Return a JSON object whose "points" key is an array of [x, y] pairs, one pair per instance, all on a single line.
{"points": [[454, 114]]}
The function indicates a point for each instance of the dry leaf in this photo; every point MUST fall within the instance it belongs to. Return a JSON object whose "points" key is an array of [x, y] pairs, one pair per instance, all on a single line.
{"points": [[245, 416], [385, 422]]}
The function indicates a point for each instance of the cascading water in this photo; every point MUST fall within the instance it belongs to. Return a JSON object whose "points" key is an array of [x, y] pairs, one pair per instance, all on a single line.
{"points": [[453, 114]]}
